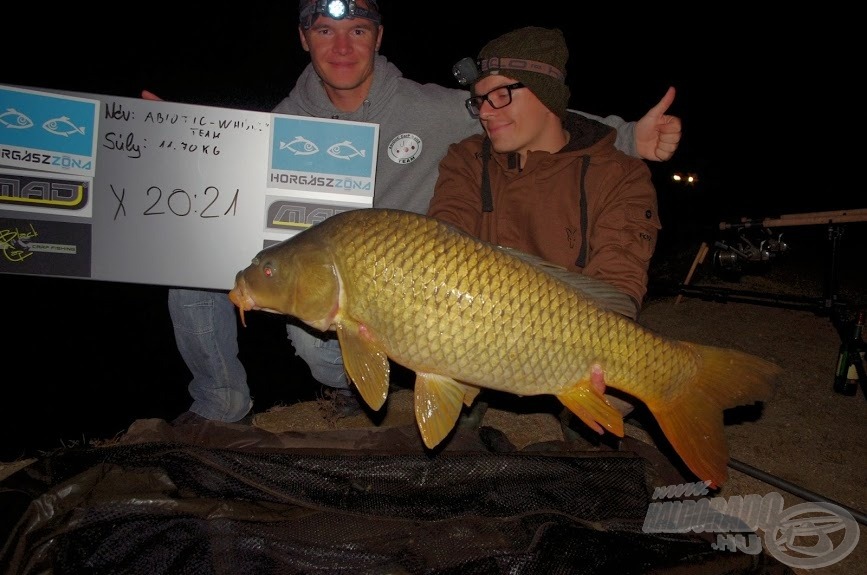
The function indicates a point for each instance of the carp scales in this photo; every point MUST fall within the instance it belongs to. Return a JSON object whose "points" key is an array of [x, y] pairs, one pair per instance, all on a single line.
{"points": [[464, 315]]}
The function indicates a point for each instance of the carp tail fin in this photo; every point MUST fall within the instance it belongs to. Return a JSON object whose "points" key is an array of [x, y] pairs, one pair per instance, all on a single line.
{"points": [[693, 421]]}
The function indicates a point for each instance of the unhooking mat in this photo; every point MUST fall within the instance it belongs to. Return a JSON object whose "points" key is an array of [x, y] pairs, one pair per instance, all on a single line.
{"points": [[164, 507]]}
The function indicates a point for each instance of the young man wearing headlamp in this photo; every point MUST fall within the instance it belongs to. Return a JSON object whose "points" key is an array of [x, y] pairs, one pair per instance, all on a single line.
{"points": [[542, 180], [348, 79]]}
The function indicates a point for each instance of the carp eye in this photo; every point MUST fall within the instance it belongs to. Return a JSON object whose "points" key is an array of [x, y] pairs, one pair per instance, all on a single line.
{"points": [[268, 271]]}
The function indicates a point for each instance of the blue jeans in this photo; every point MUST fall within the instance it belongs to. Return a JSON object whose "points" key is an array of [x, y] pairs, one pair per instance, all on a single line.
{"points": [[321, 352], [206, 334]]}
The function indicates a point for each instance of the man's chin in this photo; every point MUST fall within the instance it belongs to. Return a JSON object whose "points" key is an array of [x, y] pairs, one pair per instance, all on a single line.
{"points": [[344, 77], [501, 145]]}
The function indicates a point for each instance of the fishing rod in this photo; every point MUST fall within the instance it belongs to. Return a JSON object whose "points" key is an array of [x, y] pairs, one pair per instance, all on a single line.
{"points": [[805, 494]]}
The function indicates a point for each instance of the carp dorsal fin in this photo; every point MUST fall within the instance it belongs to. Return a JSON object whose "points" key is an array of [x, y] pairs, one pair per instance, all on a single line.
{"points": [[601, 293], [366, 363]]}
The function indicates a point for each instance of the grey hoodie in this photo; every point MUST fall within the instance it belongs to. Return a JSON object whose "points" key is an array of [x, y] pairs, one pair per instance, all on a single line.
{"points": [[417, 122]]}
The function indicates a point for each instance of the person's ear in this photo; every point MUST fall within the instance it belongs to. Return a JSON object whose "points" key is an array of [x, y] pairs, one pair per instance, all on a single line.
{"points": [[303, 39], [379, 37]]}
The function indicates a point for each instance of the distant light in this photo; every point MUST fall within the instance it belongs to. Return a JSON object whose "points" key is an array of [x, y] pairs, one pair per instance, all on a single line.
{"points": [[687, 179]]}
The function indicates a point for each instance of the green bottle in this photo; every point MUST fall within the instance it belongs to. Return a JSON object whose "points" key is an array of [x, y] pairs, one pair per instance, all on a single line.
{"points": [[851, 351]]}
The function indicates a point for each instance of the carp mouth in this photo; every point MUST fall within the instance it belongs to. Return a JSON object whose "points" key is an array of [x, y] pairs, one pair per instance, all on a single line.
{"points": [[240, 296]]}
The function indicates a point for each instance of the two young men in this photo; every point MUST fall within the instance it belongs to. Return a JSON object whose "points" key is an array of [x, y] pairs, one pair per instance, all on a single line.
{"points": [[348, 79]]}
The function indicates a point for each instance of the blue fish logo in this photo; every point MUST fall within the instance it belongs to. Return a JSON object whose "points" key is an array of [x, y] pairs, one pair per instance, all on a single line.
{"points": [[14, 119], [300, 146], [62, 126], [344, 151]]}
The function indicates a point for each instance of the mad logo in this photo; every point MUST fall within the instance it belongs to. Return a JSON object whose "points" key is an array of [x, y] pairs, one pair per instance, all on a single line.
{"points": [[404, 148]]}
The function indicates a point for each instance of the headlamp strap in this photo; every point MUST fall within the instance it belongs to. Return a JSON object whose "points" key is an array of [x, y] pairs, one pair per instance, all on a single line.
{"points": [[497, 63], [351, 10]]}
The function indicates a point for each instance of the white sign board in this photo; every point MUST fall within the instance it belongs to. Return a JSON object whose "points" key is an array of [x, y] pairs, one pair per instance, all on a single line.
{"points": [[130, 190]]}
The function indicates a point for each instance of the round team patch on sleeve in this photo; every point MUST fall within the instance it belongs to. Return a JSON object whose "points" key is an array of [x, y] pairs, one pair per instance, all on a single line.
{"points": [[404, 148]]}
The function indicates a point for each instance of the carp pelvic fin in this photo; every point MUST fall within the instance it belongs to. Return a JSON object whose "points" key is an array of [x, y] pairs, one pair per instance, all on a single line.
{"points": [[470, 394], [366, 364], [591, 407], [438, 403]]}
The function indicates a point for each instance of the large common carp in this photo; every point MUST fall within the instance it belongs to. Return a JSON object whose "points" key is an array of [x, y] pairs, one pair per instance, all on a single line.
{"points": [[465, 315]]}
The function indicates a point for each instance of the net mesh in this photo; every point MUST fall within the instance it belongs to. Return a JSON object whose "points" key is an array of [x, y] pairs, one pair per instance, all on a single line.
{"points": [[167, 508]]}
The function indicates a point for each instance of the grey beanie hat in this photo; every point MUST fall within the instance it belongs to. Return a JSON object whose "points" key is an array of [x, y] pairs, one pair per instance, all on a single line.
{"points": [[534, 56]]}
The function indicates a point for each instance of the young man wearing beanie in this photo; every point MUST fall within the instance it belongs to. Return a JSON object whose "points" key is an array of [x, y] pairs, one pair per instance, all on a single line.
{"points": [[347, 79], [558, 187], [547, 181]]}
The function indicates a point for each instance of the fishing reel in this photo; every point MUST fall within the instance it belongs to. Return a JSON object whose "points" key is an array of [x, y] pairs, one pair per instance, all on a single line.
{"points": [[752, 250]]}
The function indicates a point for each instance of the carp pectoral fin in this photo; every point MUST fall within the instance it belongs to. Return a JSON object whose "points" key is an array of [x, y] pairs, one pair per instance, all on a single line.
{"points": [[438, 403], [366, 363], [589, 404]]}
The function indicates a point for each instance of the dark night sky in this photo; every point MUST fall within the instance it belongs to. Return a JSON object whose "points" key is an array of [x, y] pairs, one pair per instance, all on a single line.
{"points": [[750, 89], [751, 93]]}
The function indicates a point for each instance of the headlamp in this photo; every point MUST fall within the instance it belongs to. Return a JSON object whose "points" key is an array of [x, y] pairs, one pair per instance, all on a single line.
{"points": [[467, 70], [337, 10]]}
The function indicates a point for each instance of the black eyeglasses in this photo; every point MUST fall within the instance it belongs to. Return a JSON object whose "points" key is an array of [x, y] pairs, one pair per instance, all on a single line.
{"points": [[497, 98]]}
